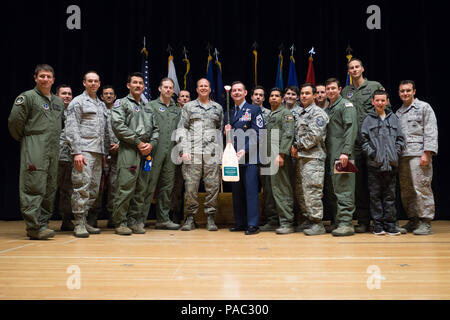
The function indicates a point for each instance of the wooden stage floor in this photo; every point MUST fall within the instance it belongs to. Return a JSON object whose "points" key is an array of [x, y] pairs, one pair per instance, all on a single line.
{"points": [[202, 265]]}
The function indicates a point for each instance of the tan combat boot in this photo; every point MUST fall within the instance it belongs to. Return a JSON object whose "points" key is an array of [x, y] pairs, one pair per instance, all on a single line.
{"points": [[210, 224], [123, 230], [80, 226], [43, 234], [137, 228], [189, 224], [343, 231]]}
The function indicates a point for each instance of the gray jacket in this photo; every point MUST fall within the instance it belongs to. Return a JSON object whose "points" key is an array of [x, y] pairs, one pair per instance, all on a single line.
{"points": [[383, 141], [419, 126], [310, 132], [200, 128], [87, 126]]}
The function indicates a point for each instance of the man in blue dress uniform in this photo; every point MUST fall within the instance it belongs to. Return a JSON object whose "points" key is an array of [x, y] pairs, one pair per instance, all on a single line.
{"points": [[246, 120]]}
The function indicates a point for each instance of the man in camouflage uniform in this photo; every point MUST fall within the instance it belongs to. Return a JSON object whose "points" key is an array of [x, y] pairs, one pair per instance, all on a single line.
{"points": [[176, 197], [166, 115], [88, 135], [134, 126], [322, 101], [65, 166], [309, 142], [360, 93], [277, 188], [419, 126], [340, 144], [200, 142], [109, 172], [35, 120]]}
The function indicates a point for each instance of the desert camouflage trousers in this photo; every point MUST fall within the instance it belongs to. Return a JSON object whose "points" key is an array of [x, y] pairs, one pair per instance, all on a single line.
{"points": [[211, 178], [415, 188], [86, 183], [108, 184], [309, 190]]}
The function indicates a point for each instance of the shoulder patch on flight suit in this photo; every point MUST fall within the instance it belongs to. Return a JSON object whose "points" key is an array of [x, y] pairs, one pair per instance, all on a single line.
{"points": [[19, 100], [45, 106], [259, 121], [161, 109], [350, 95], [349, 104], [116, 103], [136, 108]]}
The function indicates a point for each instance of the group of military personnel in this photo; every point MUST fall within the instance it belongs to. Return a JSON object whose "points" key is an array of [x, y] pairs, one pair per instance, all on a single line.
{"points": [[298, 149]]}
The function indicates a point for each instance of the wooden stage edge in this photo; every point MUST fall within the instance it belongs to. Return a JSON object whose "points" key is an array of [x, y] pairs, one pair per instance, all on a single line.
{"points": [[223, 265]]}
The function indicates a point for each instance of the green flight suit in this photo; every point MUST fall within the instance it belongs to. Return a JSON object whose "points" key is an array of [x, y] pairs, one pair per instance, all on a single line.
{"points": [[278, 192], [132, 123], [35, 121], [163, 168], [341, 135], [361, 98], [291, 163], [262, 178]]}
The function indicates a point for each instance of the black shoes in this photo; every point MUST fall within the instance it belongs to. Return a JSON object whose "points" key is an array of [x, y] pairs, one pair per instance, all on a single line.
{"points": [[238, 228], [251, 230], [248, 230]]}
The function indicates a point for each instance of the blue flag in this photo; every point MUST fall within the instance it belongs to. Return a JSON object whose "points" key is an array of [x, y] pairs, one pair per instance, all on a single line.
{"points": [[220, 90], [146, 95], [279, 80], [210, 76], [292, 77]]}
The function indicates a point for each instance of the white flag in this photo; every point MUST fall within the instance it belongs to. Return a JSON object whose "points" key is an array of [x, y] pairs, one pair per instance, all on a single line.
{"points": [[173, 75]]}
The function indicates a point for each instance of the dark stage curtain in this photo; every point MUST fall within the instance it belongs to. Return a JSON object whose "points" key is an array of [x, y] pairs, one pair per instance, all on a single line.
{"points": [[409, 45]]}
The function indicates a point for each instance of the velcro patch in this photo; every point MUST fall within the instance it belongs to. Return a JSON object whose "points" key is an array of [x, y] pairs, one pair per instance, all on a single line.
{"points": [[320, 121], [19, 100], [349, 104], [260, 121], [289, 118]]}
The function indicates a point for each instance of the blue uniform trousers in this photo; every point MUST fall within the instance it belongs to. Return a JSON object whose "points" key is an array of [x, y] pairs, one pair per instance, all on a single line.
{"points": [[245, 196]]}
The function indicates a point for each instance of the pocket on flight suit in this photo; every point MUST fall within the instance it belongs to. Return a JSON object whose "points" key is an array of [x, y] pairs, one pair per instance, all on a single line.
{"points": [[34, 166], [128, 157]]}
